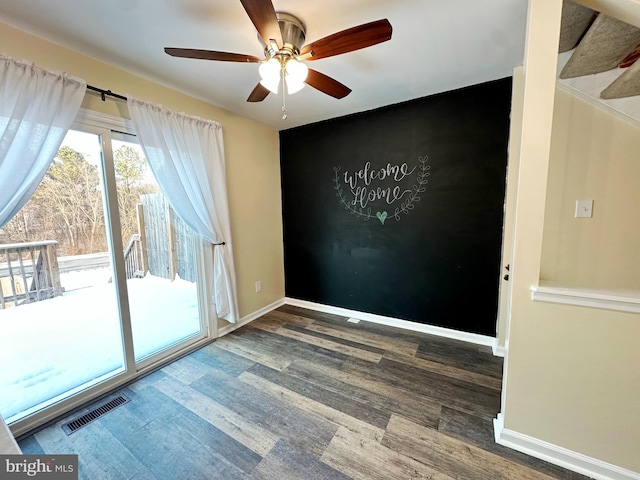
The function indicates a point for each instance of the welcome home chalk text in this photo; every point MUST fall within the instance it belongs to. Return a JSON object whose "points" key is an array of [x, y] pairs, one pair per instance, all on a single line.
{"points": [[359, 183]]}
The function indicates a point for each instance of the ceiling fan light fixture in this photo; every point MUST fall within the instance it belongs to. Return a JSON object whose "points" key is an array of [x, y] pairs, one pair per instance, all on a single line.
{"points": [[282, 36], [270, 74], [271, 85], [293, 86], [296, 71]]}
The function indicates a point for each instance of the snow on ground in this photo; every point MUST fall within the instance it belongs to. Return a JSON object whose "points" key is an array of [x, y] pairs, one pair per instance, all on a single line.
{"points": [[50, 347]]}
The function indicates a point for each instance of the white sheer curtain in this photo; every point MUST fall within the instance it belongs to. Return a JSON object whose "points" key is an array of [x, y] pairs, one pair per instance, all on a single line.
{"points": [[186, 155], [37, 107]]}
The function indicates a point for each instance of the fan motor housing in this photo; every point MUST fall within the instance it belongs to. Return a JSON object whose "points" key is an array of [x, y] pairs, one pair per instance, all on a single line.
{"points": [[293, 35]]}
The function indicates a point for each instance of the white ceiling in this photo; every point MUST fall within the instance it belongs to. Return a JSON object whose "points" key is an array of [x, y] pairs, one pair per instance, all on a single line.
{"points": [[437, 45]]}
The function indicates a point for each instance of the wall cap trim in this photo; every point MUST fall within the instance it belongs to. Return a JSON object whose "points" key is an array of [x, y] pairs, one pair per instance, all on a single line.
{"points": [[395, 322], [560, 456], [621, 301]]}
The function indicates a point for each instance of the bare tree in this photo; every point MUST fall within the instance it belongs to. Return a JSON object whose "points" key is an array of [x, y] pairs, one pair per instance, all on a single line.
{"points": [[67, 206], [132, 177]]}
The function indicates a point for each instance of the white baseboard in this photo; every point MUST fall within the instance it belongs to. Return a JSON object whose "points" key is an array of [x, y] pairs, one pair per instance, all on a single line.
{"points": [[395, 322], [369, 317], [560, 456], [249, 318]]}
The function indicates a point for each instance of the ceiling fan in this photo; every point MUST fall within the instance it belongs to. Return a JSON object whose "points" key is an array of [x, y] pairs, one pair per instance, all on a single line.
{"points": [[282, 36]]}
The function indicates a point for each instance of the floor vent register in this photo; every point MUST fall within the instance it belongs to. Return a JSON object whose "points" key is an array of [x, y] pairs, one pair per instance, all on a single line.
{"points": [[94, 414]]}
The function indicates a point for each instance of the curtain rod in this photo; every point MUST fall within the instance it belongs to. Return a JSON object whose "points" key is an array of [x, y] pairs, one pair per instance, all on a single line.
{"points": [[103, 93]]}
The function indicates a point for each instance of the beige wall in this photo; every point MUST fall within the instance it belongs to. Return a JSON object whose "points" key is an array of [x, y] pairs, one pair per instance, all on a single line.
{"points": [[252, 160], [571, 373], [594, 155]]}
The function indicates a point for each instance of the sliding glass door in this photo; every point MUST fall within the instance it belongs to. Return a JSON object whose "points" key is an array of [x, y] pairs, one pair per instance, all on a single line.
{"points": [[99, 279], [161, 255], [60, 329]]}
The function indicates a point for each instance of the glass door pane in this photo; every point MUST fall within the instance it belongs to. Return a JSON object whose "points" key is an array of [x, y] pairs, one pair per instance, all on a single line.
{"points": [[161, 257], [59, 319]]}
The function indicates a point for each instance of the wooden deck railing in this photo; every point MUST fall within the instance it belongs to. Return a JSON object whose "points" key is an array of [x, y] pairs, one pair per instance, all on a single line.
{"points": [[133, 257], [28, 272]]}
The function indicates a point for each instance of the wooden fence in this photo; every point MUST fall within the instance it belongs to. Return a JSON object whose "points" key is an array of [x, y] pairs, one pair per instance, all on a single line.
{"points": [[28, 272], [165, 247], [169, 243]]}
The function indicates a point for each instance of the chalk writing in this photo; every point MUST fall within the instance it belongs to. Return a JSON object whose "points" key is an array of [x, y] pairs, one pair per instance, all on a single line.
{"points": [[362, 196], [363, 191], [367, 174]]}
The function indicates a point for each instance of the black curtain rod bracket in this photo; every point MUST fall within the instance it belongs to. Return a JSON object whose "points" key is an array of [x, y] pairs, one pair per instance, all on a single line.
{"points": [[104, 93]]}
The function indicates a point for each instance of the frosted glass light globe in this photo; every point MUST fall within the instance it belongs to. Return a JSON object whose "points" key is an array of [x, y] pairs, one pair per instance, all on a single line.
{"points": [[296, 74], [270, 74]]}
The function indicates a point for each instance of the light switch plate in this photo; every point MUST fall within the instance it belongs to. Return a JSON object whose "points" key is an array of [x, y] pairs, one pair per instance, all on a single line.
{"points": [[584, 208]]}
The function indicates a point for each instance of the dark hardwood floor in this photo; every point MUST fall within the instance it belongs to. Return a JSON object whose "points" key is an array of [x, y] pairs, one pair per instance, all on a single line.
{"points": [[299, 394]]}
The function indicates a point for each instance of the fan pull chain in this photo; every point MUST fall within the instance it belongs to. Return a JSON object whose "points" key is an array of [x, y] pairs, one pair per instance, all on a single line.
{"points": [[284, 97]]}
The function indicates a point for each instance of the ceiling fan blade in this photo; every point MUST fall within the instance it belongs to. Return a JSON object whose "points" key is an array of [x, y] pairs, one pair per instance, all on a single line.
{"points": [[354, 38], [211, 55], [258, 94], [263, 16], [326, 84], [631, 58]]}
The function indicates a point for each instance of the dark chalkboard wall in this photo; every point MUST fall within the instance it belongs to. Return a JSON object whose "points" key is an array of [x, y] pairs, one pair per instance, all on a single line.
{"points": [[399, 211]]}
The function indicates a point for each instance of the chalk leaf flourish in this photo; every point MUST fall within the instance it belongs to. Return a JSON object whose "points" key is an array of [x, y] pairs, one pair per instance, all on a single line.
{"points": [[422, 178]]}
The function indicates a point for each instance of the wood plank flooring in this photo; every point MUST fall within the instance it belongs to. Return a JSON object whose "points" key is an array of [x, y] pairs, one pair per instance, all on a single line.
{"points": [[299, 394]]}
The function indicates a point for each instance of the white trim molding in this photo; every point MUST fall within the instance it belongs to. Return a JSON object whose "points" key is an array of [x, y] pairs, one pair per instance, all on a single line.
{"points": [[498, 350], [249, 318], [8, 444], [355, 316], [560, 456], [621, 301], [395, 322]]}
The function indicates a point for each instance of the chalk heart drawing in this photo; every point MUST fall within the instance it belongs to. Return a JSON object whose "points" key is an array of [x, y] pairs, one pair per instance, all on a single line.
{"points": [[357, 189]]}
